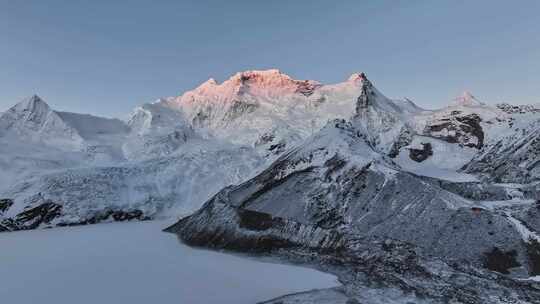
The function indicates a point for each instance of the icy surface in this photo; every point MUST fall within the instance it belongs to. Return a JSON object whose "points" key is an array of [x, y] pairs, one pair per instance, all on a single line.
{"points": [[136, 263], [172, 155], [446, 160]]}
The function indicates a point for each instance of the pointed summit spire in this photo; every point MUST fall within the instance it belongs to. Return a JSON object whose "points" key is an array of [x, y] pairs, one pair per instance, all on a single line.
{"points": [[366, 94], [33, 99], [356, 77], [31, 104], [466, 99]]}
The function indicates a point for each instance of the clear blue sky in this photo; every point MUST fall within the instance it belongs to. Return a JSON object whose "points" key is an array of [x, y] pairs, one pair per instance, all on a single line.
{"points": [[106, 57]]}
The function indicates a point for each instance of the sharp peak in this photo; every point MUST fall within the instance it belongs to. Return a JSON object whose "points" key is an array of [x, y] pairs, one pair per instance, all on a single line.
{"points": [[359, 76], [271, 75], [466, 99], [249, 75], [266, 82], [34, 98], [31, 102]]}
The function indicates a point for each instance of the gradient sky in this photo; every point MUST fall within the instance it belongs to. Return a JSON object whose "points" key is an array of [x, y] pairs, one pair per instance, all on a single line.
{"points": [[106, 58]]}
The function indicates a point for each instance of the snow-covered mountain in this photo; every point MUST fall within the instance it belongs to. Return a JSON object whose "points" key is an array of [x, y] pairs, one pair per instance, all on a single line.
{"points": [[337, 202], [382, 195], [250, 120], [169, 157], [337, 187], [32, 119], [279, 163], [266, 108]]}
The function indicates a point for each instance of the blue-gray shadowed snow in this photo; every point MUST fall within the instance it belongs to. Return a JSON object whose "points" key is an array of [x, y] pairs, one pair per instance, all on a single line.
{"points": [[137, 263], [343, 192], [396, 192]]}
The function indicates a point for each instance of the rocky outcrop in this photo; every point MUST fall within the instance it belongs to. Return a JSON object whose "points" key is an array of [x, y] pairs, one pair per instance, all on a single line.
{"points": [[110, 215], [459, 128], [5, 204], [43, 213], [420, 155], [515, 158], [371, 270], [404, 139], [518, 109], [367, 95], [337, 201], [322, 195]]}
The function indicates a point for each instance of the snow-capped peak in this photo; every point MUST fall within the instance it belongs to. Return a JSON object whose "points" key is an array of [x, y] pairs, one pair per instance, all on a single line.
{"points": [[357, 78], [266, 83], [33, 120], [210, 81], [208, 85], [466, 99], [258, 83], [32, 110], [31, 104]]}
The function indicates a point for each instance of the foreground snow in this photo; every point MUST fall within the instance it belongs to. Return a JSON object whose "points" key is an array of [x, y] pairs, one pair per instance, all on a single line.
{"points": [[136, 263]]}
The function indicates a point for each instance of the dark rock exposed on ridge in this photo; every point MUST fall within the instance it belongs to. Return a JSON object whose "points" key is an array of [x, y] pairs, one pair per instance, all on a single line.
{"points": [[420, 155], [336, 196], [45, 213], [458, 128]]}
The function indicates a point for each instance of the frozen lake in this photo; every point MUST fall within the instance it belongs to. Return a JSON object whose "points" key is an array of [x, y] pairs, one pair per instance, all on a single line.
{"points": [[136, 263]]}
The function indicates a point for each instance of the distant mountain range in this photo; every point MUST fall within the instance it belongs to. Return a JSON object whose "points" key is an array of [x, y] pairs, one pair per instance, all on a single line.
{"points": [[278, 163]]}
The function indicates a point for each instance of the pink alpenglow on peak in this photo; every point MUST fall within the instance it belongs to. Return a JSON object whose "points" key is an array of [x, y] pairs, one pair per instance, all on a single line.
{"points": [[466, 99], [357, 77], [258, 83]]}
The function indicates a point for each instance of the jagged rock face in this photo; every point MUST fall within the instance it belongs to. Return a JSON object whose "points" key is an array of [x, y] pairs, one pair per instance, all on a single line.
{"points": [[380, 118], [518, 109], [307, 87], [501, 261], [5, 204], [404, 139], [394, 272], [322, 198], [336, 201], [420, 155], [41, 212], [514, 158], [45, 213], [366, 94], [457, 128], [253, 103]]}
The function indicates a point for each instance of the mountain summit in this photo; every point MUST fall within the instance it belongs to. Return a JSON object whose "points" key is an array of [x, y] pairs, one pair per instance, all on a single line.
{"points": [[328, 168], [467, 99], [32, 119]]}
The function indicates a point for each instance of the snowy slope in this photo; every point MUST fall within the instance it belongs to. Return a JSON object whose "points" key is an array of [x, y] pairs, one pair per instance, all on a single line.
{"points": [[33, 120], [173, 154], [158, 187], [255, 104], [277, 162], [335, 188]]}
